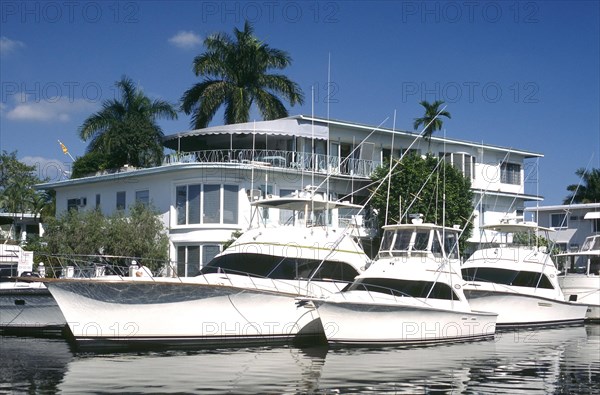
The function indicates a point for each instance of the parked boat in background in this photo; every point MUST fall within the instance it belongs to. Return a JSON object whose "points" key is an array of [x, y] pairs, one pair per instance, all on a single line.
{"points": [[25, 307], [245, 295], [514, 276], [412, 293], [580, 278]]}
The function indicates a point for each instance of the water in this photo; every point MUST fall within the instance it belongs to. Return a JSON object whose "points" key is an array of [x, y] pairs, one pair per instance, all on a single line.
{"points": [[548, 361]]}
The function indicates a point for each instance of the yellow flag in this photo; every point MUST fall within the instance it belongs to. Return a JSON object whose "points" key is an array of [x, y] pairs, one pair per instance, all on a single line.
{"points": [[64, 148]]}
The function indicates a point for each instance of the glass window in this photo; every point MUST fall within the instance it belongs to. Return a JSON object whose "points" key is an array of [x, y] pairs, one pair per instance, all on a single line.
{"points": [[194, 204], [98, 201], [209, 251], [211, 213], [402, 240], [421, 241], [280, 267], [412, 288], [510, 173], [507, 277], [203, 204], [230, 204], [142, 197], [558, 221], [121, 200], [193, 261], [180, 202], [72, 204]]}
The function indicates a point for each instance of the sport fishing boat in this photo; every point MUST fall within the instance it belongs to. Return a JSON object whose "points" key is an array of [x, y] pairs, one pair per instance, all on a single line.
{"points": [[412, 293], [513, 275], [580, 279], [244, 295]]}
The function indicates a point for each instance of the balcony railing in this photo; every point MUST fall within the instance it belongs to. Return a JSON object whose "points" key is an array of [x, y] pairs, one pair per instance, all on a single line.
{"points": [[301, 161]]}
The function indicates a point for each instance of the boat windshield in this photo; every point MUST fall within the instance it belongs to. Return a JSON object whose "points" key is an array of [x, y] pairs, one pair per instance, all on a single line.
{"points": [[399, 242], [591, 244], [283, 268], [409, 288], [519, 278]]}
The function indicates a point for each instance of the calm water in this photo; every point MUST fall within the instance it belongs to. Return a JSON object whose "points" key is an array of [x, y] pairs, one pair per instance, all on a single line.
{"points": [[563, 360]]}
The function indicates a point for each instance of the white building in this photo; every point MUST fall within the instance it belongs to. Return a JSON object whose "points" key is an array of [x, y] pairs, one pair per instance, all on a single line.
{"points": [[204, 187], [572, 223]]}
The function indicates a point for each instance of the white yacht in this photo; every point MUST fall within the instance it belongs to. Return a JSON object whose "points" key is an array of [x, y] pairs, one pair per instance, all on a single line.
{"points": [[412, 293], [25, 307], [514, 276], [580, 280], [246, 294]]}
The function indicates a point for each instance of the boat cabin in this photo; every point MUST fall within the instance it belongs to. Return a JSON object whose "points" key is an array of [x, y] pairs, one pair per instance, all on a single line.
{"points": [[419, 239]]}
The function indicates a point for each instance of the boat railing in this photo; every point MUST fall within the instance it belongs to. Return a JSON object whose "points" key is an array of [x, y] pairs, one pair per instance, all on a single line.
{"points": [[294, 160]]}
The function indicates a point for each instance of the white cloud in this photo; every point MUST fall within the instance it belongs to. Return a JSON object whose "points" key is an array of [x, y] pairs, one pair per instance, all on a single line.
{"points": [[49, 169], [7, 45], [53, 109], [186, 40]]}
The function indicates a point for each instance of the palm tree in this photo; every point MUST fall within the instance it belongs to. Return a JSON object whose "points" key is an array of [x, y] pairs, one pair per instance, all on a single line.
{"points": [[126, 130], [431, 120], [236, 75], [588, 191]]}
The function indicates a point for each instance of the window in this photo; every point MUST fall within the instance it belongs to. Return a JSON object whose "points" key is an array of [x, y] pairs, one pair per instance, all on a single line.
{"points": [[277, 267], [97, 201], [212, 204], [596, 225], [206, 204], [188, 261], [510, 173], [192, 258], [558, 221], [143, 197], [507, 277], [230, 204], [412, 288], [463, 162], [72, 204], [121, 200]]}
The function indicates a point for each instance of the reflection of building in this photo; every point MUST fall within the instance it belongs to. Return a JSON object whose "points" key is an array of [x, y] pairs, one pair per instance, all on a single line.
{"points": [[204, 186], [572, 223]]}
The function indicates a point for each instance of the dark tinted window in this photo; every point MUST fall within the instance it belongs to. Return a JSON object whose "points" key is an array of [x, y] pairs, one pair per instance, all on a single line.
{"points": [[507, 277], [417, 289], [282, 268]]}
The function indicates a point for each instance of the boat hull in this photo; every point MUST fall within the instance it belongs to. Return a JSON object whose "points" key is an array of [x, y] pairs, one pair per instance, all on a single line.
{"points": [[123, 313], [584, 289], [356, 323], [515, 310], [29, 308]]}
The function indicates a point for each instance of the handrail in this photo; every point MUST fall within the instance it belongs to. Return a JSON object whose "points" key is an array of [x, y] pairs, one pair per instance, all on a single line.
{"points": [[300, 161]]}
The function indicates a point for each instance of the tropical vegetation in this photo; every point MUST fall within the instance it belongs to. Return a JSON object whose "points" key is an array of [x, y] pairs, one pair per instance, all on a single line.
{"points": [[427, 186], [236, 73], [124, 131], [431, 119], [89, 232], [588, 190], [17, 194]]}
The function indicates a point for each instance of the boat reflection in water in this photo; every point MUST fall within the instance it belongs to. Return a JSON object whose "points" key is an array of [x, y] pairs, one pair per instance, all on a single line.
{"points": [[558, 360]]}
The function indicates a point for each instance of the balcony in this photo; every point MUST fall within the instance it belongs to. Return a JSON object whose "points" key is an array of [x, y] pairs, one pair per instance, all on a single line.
{"points": [[298, 161]]}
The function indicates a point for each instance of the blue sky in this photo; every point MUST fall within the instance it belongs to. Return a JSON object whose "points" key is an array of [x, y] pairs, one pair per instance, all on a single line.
{"points": [[519, 74]]}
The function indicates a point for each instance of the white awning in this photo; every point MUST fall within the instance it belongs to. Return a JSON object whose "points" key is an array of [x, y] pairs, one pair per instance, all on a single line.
{"points": [[283, 127], [592, 215]]}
